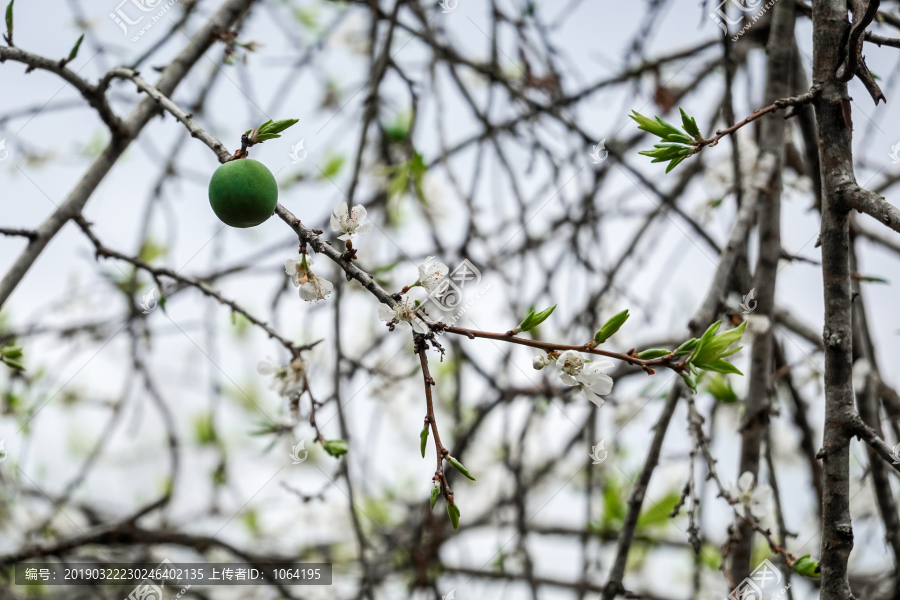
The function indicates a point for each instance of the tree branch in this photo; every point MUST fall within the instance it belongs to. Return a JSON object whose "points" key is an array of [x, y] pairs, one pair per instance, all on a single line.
{"points": [[170, 78], [870, 203], [95, 95]]}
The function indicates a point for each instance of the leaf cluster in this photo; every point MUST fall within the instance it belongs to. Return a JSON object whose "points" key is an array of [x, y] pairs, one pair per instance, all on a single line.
{"points": [[269, 130], [675, 144]]}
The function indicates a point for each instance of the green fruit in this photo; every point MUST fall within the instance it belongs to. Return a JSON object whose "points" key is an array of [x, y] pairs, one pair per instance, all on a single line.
{"points": [[243, 193]]}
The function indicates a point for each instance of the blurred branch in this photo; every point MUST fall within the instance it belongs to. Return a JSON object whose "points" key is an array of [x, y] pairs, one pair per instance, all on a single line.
{"points": [[94, 94], [203, 286]]}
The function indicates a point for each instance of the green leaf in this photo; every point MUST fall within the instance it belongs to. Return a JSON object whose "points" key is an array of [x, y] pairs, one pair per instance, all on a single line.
{"points": [[534, 319], [150, 250], [650, 125], [611, 327], [711, 556], [277, 126], [453, 511], [459, 467], [690, 382], [205, 429], [686, 347], [11, 352], [308, 17], [730, 352], [398, 130], [807, 566], [712, 347], [423, 437], [709, 333], [614, 508], [398, 183], [333, 166], [653, 353], [674, 163], [667, 151], [435, 492], [873, 279], [417, 169], [690, 125], [75, 48], [9, 21], [335, 448], [526, 322], [271, 129], [658, 514], [672, 132], [14, 364], [720, 388], [661, 128], [721, 366]]}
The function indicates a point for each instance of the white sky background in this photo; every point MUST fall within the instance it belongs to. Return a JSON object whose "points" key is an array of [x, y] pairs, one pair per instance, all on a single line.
{"points": [[195, 347]]}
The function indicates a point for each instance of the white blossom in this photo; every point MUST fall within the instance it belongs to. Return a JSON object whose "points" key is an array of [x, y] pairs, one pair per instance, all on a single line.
{"points": [[312, 287], [751, 498], [287, 380], [430, 275], [296, 269], [405, 314], [350, 222], [316, 288], [539, 362], [758, 324], [587, 376]]}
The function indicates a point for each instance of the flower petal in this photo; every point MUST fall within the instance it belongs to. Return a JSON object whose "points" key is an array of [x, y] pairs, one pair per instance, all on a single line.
{"points": [[745, 483], [324, 286], [358, 213], [566, 356], [385, 312], [602, 385], [596, 399], [596, 366], [308, 292], [567, 379], [763, 493], [365, 228], [265, 368]]}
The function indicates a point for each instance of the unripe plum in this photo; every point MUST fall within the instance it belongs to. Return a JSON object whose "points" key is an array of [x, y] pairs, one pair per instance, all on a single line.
{"points": [[243, 193]]}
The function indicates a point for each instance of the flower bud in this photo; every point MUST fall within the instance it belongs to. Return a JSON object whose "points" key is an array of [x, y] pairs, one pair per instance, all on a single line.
{"points": [[538, 363]]}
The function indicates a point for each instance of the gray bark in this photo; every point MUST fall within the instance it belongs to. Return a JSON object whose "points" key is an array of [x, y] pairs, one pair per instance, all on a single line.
{"points": [[780, 49]]}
